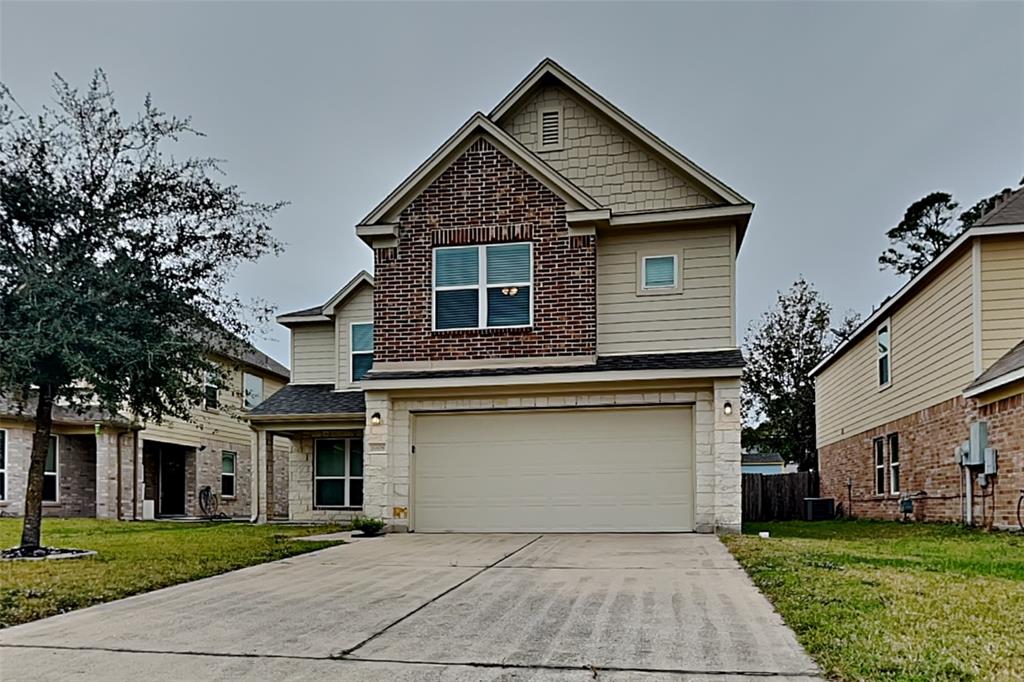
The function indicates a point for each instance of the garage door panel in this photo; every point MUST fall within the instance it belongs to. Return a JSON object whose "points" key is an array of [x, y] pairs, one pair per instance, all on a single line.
{"points": [[599, 470]]}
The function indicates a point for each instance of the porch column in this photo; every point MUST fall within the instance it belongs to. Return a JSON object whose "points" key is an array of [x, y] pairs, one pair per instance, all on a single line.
{"points": [[106, 473], [262, 479], [268, 475]]}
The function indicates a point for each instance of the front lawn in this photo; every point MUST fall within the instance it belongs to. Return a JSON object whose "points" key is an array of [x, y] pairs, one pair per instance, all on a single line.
{"points": [[890, 601], [132, 557]]}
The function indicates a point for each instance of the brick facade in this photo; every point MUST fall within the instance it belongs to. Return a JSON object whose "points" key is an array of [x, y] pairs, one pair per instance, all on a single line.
{"points": [[483, 197], [928, 470]]}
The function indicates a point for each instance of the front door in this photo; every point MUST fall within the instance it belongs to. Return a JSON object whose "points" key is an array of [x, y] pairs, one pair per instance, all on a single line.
{"points": [[172, 482]]}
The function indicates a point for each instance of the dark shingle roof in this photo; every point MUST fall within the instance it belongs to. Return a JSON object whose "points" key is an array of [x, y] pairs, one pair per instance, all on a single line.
{"points": [[1010, 211], [310, 399], [9, 407], [719, 359], [314, 311], [761, 458], [1010, 362]]}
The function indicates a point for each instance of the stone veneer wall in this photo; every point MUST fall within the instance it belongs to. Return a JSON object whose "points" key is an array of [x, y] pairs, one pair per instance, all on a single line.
{"points": [[718, 483], [927, 441]]}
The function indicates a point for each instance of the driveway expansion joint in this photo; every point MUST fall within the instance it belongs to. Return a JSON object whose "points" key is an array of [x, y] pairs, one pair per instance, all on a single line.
{"points": [[346, 653]]}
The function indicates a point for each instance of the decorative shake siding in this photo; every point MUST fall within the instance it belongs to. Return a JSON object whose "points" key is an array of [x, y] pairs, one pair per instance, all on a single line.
{"points": [[483, 197], [931, 362], [358, 308], [699, 316], [1002, 296], [602, 160], [313, 354]]}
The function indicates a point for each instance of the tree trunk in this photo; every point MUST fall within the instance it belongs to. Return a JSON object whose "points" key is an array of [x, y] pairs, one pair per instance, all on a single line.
{"points": [[30, 533]]}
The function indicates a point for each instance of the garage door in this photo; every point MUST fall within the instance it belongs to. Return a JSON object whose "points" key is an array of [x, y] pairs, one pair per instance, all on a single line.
{"points": [[623, 469]]}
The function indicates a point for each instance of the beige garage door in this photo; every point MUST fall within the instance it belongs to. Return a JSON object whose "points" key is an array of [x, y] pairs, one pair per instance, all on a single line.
{"points": [[622, 469]]}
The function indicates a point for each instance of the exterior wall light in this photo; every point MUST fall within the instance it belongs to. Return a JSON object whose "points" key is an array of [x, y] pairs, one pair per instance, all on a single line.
{"points": [[375, 419], [727, 408]]}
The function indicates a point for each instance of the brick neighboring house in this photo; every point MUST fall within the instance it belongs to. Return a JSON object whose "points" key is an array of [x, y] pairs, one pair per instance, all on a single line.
{"points": [[548, 341], [947, 350], [95, 457]]}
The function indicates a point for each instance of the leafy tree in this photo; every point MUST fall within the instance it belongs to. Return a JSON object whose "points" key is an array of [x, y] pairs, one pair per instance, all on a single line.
{"points": [[781, 349], [846, 327], [115, 264], [929, 225]]}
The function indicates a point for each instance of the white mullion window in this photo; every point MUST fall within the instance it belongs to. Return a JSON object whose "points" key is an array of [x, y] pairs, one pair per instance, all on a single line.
{"points": [[3, 465], [883, 339], [360, 343], [894, 463], [879, 446], [483, 287], [228, 461], [51, 472]]}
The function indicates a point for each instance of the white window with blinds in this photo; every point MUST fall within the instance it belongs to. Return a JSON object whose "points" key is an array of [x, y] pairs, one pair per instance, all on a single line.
{"points": [[483, 287], [361, 349]]}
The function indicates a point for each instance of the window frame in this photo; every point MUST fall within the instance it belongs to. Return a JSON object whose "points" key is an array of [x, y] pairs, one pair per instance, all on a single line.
{"points": [[347, 478], [216, 393], [245, 390], [894, 467], [675, 273], [233, 474], [55, 473], [352, 352], [878, 459], [4, 439], [481, 286], [887, 355]]}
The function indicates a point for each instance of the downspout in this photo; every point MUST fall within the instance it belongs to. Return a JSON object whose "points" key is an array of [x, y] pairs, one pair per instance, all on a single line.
{"points": [[970, 497], [118, 436]]}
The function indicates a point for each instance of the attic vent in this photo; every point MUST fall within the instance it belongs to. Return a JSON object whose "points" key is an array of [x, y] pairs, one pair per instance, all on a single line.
{"points": [[551, 128]]}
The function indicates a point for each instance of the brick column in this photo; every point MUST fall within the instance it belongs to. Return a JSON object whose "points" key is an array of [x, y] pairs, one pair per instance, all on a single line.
{"points": [[106, 474]]}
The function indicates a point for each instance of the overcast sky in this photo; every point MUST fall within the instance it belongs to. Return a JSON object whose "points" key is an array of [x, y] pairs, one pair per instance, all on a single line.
{"points": [[831, 117]]}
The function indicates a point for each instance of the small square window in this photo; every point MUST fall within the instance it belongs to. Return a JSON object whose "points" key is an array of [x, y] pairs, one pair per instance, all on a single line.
{"points": [[660, 272]]}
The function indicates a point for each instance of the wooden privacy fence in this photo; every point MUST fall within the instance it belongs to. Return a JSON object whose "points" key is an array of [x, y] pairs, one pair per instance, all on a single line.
{"points": [[777, 497]]}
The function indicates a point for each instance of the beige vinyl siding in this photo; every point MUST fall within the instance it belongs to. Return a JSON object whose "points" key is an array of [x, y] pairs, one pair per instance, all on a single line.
{"points": [[313, 354], [931, 360], [227, 423], [358, 308], [602, 159], [1002, 296], [699, 316]]}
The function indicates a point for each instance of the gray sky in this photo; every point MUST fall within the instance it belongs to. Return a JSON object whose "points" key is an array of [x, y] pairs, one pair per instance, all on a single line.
{"points": [[831, 117]]}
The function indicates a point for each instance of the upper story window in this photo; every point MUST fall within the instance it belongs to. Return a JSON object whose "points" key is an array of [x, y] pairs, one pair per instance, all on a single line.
{"points": [[361, 349], [253, 388], [211, 399], [883, 337], [480, 287], [660, 272]]}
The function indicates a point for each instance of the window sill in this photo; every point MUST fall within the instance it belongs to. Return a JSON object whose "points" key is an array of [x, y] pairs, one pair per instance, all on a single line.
{"points": [[667, 291], [227, 497], [485, 331], [322, 508]]}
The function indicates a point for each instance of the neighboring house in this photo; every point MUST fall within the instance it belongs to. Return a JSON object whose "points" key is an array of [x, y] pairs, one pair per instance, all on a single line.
{"points": [[94, 457], [551, 329], [762, 463], [896, 399]]}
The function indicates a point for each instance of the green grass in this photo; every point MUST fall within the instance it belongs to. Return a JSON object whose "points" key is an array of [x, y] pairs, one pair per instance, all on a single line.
{"points": [[132, 557], [890, 601]]}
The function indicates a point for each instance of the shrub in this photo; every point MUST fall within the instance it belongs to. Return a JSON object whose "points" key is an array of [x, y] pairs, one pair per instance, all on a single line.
{"points": [[368, 526]]}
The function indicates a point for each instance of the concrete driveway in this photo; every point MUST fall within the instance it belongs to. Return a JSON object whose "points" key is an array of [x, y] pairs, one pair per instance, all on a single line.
{"points": [[436, 607]]}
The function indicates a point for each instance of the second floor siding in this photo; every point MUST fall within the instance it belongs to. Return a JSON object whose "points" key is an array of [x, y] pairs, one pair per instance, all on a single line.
{"points": [[1002, 296], [357, 309], [931, 360], [314, 353], [697, 313], [485, 198]]}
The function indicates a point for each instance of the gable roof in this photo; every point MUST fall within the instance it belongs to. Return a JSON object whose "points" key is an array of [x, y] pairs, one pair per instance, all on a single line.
{"points": [[911, 287], [321, 313], [436, 163], [549, 68], [1005, 370], [1010, 210]]}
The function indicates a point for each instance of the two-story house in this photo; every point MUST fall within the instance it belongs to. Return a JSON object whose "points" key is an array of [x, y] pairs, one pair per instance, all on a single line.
{"points": [[111, 466], [898, 399], [548, 342]]}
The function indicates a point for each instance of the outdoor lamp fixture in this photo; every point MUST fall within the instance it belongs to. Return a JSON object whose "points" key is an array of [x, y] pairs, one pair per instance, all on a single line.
{"points": [[727, 408], [375, 419], [510, 291]]}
